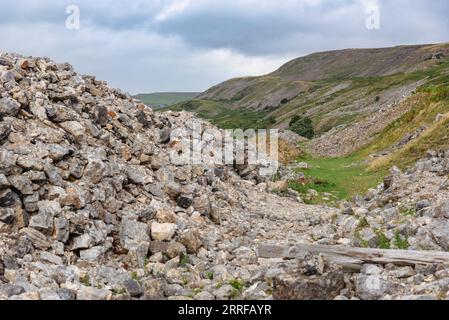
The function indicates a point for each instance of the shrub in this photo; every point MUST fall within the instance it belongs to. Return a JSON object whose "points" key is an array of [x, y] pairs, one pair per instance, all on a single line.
{"points": [[302, 126], [294, 119]]}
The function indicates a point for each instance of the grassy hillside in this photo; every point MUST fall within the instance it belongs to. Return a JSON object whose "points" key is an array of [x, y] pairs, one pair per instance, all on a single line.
{"points": [[345, 177], [323, 69], [329, 103], [226, 118], [333, 88], [427, 113], [432, 114], [166, 99], [371, 110]]}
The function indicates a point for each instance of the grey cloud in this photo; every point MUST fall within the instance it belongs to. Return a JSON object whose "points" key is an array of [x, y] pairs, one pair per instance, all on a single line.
{"points": [[211, 40], [275, 29]]}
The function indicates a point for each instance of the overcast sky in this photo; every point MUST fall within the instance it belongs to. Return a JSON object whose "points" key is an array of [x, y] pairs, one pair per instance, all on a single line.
{"points": [[190, 45]]}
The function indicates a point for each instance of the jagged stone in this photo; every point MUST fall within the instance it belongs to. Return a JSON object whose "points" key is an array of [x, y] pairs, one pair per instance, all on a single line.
{"points": [[93, 254], [4, 183], [162, 231], [7, 215], [66, 294], [43, 221], [90, 293], [185, 201], [133, 288], [7, 197], [323, 287], [154, 289], [5, 130], [11, 290], [21, 183], [191, 240], [9, 107], [84, 241], [372, 287], [38, 239], [175, 249]]}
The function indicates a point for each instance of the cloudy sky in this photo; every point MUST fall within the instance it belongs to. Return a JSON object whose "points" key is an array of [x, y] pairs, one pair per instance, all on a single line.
{"points": [[189, 45]]}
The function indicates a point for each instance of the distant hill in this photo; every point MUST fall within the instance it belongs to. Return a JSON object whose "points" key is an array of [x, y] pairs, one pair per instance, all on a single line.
{"points": [[349, 95], [160, 100]]}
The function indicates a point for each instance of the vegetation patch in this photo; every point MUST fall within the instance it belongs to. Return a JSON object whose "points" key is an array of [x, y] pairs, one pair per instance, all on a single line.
{"points": [[237, 288], [184, 260], [401, 242], [219, 114], [342, 177], [384, 242], [302, 126]]}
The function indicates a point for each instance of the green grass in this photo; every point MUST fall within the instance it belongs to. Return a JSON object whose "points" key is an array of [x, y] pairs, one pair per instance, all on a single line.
{"points": [[316, 184], [384, 242], [165, 99], [407, 212], [237, 288], [401, 242], [354, 175], [209, 275], [85, 280], [236, 284], [438, 92], [436, 137], [342, 177], [432, 99], [219, 114], [184, 260]]}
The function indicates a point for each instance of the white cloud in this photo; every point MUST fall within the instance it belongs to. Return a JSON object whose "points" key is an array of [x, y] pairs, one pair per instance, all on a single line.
{"points": [[172, 9], [241, 65]]}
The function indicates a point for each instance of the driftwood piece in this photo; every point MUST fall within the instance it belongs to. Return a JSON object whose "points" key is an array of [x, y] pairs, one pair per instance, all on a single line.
{"points": [[354, 258]]}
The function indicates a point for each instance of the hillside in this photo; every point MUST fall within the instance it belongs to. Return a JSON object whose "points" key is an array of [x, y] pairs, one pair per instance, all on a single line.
{"points": [[332, 88], [370, 109], [165, 99]]}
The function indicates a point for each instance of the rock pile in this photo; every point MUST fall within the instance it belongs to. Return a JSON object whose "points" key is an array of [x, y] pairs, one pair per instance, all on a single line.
{"points": [[92, 206], [86, 176], [408, 211]]}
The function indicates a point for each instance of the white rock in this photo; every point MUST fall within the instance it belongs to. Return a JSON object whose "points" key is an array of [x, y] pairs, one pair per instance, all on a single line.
{"points": [[49, 257], [92, 254], [162, 231]]}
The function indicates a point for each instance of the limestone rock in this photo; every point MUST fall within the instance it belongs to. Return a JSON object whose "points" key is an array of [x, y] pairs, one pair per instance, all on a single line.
{"points": [[162, 231], [9, 107], [191, 240]]}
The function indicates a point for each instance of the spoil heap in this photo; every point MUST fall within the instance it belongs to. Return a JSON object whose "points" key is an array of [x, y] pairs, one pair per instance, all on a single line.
{"points": [[92, 206]]}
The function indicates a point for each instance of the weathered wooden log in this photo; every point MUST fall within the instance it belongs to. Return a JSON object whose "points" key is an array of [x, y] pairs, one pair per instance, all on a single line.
{"points": [[354, 258]]}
